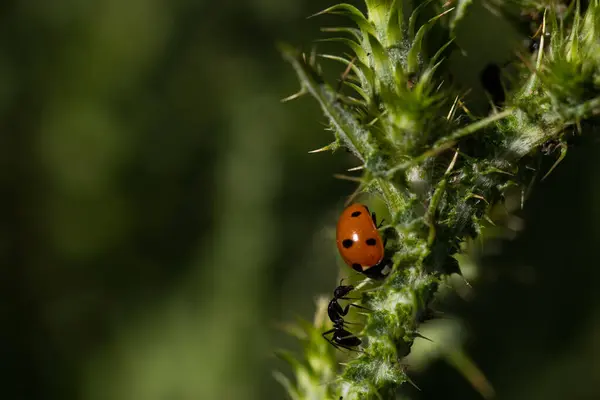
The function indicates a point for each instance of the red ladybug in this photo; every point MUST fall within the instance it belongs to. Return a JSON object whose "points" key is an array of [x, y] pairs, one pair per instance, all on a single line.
{"points": [[360, 243]]}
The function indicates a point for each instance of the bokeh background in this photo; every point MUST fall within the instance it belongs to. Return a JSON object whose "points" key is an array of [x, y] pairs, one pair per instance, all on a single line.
{"points": [[160, 216]]}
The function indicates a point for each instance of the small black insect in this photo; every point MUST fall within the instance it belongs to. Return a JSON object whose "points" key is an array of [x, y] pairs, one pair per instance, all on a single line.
{"points": [[341, 337]]}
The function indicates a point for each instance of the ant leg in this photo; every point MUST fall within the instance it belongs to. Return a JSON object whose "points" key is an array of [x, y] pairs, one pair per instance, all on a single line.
{"points": [[344, 311], [340, 346], [350, 348], [333, 344], [327, 333], [330, 340], [361, 307]]}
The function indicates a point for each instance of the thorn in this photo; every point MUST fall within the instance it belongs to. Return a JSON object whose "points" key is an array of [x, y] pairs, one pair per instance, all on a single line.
{"points": [[452, 109], [348, 68], [563, 154], [466, 281], [294, 96], [477, 196], [538, 32], [356, 168], [442, 14], [324, 148], [451, 166], [465, 109], [347, 178], [404, 369], [312, 60], [318, 13], [488, 219], [354, 194], [437, 314], [373, 121], [418, 335]]}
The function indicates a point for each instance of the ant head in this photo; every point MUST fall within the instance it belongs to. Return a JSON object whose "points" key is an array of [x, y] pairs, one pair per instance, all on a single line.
{"points": [[342, 290]]}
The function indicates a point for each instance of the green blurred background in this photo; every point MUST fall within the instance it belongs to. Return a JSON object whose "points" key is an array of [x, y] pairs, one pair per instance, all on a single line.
{"points": [[160, 215]]}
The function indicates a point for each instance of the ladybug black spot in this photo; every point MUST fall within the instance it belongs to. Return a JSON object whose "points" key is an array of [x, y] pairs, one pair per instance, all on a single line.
{"points": [[347, 243], [357, 267], [355, 213], [371, 242]]}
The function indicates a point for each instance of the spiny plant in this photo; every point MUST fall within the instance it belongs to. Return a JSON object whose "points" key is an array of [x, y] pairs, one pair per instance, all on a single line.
{"points": [[440, 169]]}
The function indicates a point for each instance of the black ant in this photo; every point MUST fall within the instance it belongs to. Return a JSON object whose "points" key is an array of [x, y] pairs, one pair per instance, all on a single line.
{"points": [[341, 337]]}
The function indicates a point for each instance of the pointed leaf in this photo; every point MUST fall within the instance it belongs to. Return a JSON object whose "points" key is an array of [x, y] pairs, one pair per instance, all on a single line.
{"points": [[439, 52], [289, 358], [459, 14], [287, 385], [351, 12], [412, 21], [573, 48], [355, 33], [395, 23], [358, 90], [346, 62], [381, 62], [412, 59], [378, 13], [356, 48], [352, 133]]}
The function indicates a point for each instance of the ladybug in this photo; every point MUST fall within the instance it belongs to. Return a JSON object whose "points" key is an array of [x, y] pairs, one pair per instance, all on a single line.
{"points": [[360, 243]]}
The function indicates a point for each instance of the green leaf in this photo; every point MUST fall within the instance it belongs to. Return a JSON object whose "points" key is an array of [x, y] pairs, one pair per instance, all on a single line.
{"points": [[438, 54], [460, 13], [351, 12], [395, 23], [381, 62], [356, 48], [412, 59], [355, 33], [412, 21], [289, 358], [353, 135], [573, 49], [358, 90], [287, 384]]}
